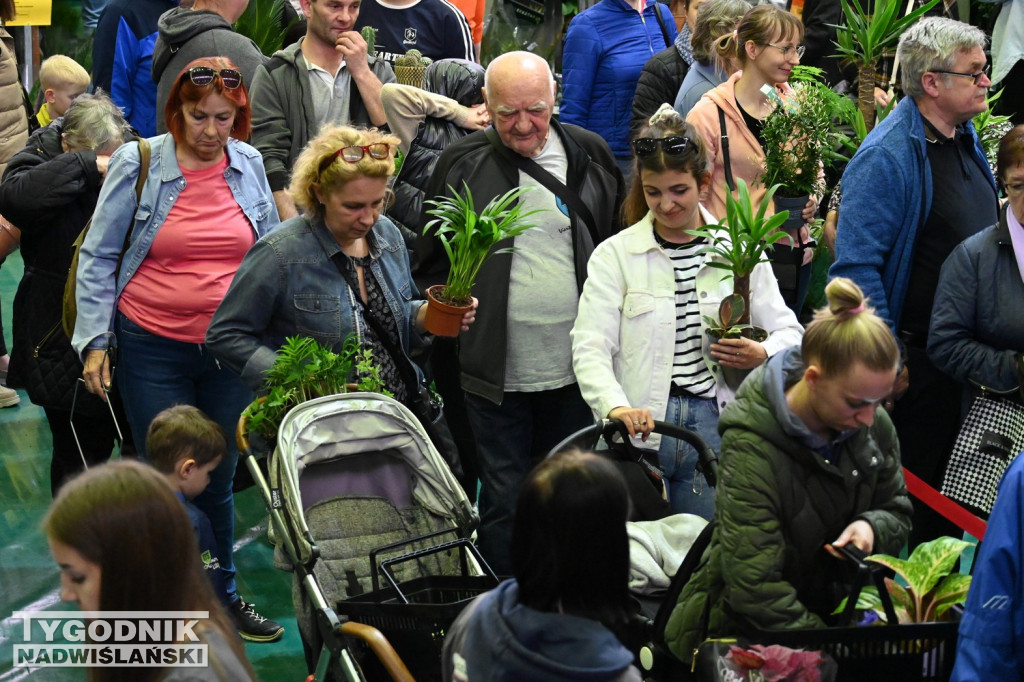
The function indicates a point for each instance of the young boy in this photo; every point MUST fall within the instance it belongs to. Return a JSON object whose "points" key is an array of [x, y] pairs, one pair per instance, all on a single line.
{"points": [[61, 79], [185, 446]]}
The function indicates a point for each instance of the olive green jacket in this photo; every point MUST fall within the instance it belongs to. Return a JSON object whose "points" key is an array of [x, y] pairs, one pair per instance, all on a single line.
{"points": [[779, 502]]}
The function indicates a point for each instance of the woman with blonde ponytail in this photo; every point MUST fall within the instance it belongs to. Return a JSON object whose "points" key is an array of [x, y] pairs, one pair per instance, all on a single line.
{"points": [[810, 462]]}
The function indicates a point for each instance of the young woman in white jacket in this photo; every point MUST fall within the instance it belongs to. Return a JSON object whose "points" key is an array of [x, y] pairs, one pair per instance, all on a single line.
{"points": [[639, 349]]}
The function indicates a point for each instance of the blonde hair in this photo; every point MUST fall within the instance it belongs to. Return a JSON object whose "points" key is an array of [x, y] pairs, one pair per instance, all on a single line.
{"points": [[848, 331], [759, 25], [307, 175], [60, 71]]}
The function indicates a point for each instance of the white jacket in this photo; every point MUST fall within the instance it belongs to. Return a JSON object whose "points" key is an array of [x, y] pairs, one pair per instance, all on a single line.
{"points": [[623, 342]]}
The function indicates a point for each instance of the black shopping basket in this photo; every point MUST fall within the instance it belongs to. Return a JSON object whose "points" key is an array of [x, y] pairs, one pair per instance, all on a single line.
{"points": [[415, 615]]}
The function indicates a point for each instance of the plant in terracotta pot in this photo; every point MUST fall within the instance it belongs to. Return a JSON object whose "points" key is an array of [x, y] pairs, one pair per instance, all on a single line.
{"points": [[468, 237], [801, 137]]}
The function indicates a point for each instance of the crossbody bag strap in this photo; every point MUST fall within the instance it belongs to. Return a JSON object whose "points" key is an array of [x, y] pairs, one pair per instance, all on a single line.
{"points": [[661, 24], [145, 154], [725, 150], [549, 181]]}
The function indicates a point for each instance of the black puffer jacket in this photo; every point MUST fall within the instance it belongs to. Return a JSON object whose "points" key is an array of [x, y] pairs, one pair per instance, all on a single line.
{"points": [[462, 81], [659, 82], [50, 195]]}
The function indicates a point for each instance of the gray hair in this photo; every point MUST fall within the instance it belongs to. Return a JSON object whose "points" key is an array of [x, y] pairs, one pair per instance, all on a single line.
{"points": [[715, 18], [93, 121], [932, 44]]}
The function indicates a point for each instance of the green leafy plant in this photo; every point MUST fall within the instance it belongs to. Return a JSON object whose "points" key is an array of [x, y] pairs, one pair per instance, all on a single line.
{"points": [[801, 134], [863, 39], [990, 128], [261, 23], [468, 236], [739, 241], [728, 325], [304, 370], [931, 588]]}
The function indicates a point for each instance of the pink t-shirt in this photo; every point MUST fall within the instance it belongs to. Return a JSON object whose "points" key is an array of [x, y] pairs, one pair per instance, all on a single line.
{"points": [[192, 260]]}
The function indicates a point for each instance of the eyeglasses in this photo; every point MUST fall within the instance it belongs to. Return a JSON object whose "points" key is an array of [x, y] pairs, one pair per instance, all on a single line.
{"points": [[673, 145], [789, 50], [203, 76], [976, 77], [355, 154]]}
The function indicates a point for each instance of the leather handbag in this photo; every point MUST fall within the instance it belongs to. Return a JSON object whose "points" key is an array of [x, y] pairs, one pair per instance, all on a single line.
{"points": [[989, 440]]}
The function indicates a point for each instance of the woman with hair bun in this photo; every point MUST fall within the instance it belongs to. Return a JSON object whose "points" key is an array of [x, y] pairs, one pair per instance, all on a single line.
{"points": [[810, 460], [639, 349]]}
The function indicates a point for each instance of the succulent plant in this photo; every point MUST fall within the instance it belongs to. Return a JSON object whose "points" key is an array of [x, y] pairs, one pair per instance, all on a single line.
{"points": [[369, 34]]}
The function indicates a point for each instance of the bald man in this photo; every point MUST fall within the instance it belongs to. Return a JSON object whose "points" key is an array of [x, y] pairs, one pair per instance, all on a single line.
{"points": [[516, 362]]}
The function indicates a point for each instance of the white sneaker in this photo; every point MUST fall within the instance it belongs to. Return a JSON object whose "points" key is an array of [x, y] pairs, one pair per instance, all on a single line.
{"points": [[8, 397]]}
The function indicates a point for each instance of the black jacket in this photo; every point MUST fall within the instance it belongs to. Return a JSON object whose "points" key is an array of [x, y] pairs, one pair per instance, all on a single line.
{"points": [[459, 80], [595, 178], [659, 82], [49, 195]]}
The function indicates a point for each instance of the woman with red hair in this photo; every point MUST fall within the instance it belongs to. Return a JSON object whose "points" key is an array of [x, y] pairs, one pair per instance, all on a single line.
{"points": [[154, 268]]}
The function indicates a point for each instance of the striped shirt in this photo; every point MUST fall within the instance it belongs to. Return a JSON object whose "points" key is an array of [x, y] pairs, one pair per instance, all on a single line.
{"points": [[688, 368]]}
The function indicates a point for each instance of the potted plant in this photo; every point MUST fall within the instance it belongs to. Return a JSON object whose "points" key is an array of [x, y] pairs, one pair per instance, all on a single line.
{"points": [[863, 38], [737, 244], [468, 238], [304, 370], [411, 67], [261, 23], [801, 137], [931, 588]]}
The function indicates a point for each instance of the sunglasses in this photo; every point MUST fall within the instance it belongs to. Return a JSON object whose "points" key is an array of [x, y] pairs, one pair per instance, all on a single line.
{"points": [[204, 75], [673, 146], [355, 154]]}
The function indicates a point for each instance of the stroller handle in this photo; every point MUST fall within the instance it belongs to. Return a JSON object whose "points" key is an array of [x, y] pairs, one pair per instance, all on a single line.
{"points": [[588, 437]]}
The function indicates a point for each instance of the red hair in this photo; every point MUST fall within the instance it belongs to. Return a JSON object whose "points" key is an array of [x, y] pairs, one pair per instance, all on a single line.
{"points": [[184, 91]]}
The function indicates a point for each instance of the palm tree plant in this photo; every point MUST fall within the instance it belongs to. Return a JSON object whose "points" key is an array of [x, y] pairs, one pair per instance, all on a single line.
{"points": [[864, 38], [261, 23], [468, 237], [739, 241]]}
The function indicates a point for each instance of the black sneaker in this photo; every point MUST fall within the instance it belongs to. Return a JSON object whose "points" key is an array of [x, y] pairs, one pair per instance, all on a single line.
{"points": [[251, 626]]}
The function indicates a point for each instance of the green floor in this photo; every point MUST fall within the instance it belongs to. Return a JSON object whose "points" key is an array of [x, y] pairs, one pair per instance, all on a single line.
{"points": [[29, 579]]}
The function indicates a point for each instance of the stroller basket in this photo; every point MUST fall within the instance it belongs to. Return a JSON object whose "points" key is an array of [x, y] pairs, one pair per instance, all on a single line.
{"points": [[415, 615], [914, 651]]}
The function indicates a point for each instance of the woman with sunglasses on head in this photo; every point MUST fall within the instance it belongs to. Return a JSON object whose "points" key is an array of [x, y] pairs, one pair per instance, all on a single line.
{"points": [[339, 269], [153, 269], [766, 46], [639, 349]]}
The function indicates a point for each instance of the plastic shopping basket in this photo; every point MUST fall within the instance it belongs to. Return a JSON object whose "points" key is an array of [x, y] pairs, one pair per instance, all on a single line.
{"points": [[415, 615]]}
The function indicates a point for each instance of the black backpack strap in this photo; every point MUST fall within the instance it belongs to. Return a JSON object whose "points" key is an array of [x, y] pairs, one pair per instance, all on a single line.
{"points": [[549, 181], [729, 182]]}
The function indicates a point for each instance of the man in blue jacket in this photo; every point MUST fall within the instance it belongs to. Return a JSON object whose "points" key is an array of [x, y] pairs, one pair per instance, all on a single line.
{"points": [[122, 58], [917, 187]]}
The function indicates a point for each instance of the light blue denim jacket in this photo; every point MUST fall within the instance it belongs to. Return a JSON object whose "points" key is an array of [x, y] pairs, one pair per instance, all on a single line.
{"points": [[287, 285], [97, 293]]}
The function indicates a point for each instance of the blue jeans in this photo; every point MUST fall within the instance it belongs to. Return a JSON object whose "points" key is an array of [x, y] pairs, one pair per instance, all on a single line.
{"points": [[511, 439], [679, 460], [154, 373]]}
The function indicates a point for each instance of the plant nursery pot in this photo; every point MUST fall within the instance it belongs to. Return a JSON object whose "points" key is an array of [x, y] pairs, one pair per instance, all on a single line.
{"points": [[442, 319], [410, 75], [795, 206], [732, 376]]}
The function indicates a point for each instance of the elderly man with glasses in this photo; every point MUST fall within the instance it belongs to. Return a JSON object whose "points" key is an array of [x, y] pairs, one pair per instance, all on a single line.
{"points": [[917, 187]]}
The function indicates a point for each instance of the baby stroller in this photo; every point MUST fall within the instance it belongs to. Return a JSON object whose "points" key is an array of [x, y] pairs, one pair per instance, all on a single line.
{"points": [[354, 481]]}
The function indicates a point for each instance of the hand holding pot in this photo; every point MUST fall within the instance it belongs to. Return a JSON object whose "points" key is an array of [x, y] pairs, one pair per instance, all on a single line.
{"points": [[739, 353], [470, 315]]}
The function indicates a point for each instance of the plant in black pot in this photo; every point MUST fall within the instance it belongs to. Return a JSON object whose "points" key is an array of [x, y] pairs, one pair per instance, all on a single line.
{"points": [[801, 136], [737, 244]]}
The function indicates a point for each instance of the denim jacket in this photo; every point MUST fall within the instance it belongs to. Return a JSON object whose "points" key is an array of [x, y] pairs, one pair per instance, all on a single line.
{"points": [[287, 285], [97, 293]]}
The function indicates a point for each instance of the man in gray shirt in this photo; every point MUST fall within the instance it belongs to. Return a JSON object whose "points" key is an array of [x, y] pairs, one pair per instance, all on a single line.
{"points": [[310, 84], [516, 362]]}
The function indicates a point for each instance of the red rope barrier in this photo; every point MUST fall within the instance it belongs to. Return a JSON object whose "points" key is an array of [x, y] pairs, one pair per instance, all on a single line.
{"points": [[949, 509]]}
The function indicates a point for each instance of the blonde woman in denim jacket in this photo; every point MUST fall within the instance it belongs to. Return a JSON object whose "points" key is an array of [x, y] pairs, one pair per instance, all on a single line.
{"points": [[205, 202], [639, 349]]}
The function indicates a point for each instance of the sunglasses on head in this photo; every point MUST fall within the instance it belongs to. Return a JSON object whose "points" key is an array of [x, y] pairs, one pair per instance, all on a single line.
{"points": [[355, 153], [674, 145], [204, 75]]}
